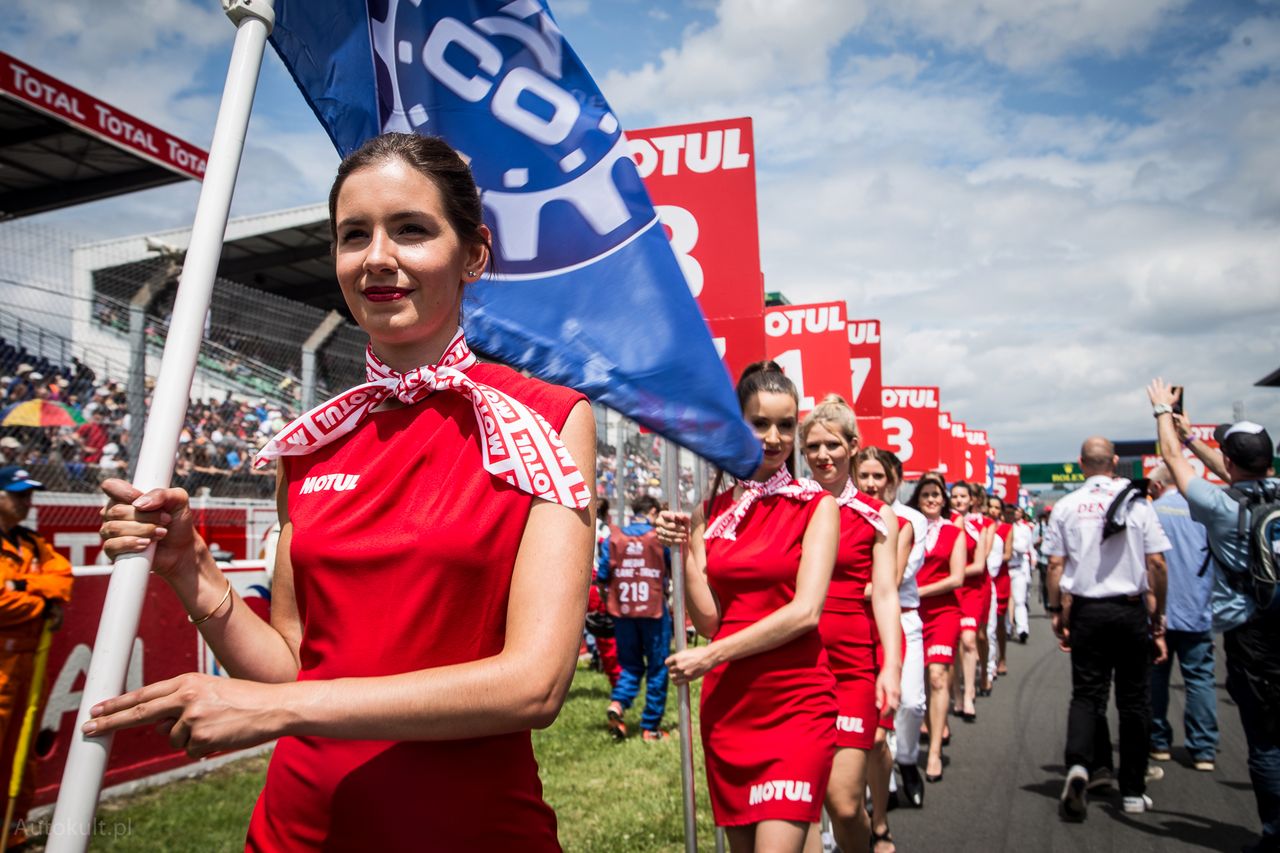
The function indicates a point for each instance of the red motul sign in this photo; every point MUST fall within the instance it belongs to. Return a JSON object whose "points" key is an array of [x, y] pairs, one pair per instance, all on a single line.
{"points": [[977, 450], [871, 433], [1008, 482], [864, 367], [739, 340], [956, 451], [811, 344], [910, 422], [33, 87], [702, 180]]}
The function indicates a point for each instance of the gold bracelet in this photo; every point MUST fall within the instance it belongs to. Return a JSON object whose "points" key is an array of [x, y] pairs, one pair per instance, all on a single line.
{"points": [[226, 595]]}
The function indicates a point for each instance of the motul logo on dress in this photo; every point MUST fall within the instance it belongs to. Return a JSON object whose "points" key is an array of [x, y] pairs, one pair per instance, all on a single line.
{"points": [[781, 789], [803, 318], [850, 724], [864, 331], [909, 398], [329, 483], [939, 651]]}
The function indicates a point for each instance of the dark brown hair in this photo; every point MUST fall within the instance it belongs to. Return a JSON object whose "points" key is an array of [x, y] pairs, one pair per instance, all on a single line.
{"points": [[436, 161], [758, 377], [936, 479]]}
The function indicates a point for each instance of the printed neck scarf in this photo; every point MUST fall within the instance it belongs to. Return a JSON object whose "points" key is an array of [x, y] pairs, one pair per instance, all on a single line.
{"points": [[852, 498], [725, 526], [518, 446]]}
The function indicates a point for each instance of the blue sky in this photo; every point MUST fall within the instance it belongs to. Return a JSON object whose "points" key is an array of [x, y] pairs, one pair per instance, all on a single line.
{"points": [[1047, 202]]}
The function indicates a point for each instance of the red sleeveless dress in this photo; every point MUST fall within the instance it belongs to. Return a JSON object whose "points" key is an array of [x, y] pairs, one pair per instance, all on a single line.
{"points": [[849, 632], [768, 720], [975, 594], [403, 562], [939, 614]]}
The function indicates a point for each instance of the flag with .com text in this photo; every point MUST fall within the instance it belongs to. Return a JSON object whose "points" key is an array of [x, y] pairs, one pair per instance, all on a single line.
{"points": [[588, 292]]}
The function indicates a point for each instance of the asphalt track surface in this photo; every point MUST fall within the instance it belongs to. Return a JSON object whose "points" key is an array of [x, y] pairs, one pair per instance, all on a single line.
{"points": [[1004, 773]]}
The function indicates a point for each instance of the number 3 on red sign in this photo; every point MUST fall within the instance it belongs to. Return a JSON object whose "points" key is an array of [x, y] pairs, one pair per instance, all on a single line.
{"points": [[898, 432]]}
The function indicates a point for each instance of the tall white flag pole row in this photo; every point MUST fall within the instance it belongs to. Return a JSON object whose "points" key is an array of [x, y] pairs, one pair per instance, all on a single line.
{"points": [[671, 473], [73, 817]]}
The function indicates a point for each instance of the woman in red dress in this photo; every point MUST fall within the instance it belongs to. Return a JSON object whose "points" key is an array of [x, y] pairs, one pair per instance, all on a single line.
{"points": [[760, 559], [862, 602], [939, 577], [974, 595], [426, 608]]}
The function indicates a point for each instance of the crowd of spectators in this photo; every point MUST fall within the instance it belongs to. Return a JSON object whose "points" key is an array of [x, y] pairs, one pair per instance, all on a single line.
{"points": [[217, 443]]}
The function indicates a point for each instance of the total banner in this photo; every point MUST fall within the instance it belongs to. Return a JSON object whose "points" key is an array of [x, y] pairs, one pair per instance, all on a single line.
{"points": [[910, 422], [811, 344], [864, 367]]}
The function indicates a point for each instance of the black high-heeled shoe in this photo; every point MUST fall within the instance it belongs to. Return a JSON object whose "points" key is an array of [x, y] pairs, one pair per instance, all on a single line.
{"points": [[969, 716], [929, 777]]}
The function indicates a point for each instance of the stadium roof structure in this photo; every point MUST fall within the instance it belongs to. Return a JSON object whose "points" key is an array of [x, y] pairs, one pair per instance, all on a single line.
{"points": [[60, 146], [283, 252], [1271, 380]]}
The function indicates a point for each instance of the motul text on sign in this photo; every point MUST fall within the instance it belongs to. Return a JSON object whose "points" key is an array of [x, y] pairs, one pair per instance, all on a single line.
{"points": [[910, 422], [811, 344]]}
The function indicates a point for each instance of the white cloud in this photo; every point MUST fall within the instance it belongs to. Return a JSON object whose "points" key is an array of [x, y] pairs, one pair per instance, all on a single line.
{"points": [[1026, 34], [754, 45]]}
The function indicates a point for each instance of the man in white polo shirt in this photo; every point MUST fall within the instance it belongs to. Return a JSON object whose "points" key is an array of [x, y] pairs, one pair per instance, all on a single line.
{"points": [[1106, 593]]}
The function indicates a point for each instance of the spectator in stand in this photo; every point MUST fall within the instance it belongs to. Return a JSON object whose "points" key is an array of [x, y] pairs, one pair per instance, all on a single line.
{"points": [[94, 436], [10, 448], [1189, 620]]}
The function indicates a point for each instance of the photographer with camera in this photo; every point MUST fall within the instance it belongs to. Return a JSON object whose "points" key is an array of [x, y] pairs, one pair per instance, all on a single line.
{"points": [[1243, 528]]}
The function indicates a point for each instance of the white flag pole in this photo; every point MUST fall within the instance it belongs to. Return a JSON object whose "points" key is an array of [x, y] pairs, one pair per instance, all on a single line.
{"points": [[73, 817], [671, 473]]}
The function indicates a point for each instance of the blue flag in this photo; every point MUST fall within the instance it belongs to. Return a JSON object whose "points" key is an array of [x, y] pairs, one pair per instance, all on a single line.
{"points": [[588, 292]]}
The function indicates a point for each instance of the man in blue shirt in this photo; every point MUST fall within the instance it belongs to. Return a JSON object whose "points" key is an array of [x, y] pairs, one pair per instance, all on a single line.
{"points": [[1188, 633], [1251, 639]]}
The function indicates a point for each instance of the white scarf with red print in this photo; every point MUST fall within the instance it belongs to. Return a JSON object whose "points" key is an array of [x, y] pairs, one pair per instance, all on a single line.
{"points": [[725, 526], [852, 498], [518, 446]]}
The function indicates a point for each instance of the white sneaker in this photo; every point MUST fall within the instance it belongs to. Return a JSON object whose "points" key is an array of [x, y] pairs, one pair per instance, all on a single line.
{"points": [[1154, 774], [1073, 805], [1138, 805], [1204, 765]]}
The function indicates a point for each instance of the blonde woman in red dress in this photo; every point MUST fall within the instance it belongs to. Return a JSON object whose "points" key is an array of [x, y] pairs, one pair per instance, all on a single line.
{"points": [[861, 601], [760, 558]]}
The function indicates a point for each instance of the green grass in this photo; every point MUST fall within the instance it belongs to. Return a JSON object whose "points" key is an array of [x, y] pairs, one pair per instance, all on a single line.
{"points": [[608, 796]]}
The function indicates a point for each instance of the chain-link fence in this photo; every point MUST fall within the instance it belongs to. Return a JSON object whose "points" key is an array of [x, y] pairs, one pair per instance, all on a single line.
{"points": [[81, 336], [82, 330]]}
